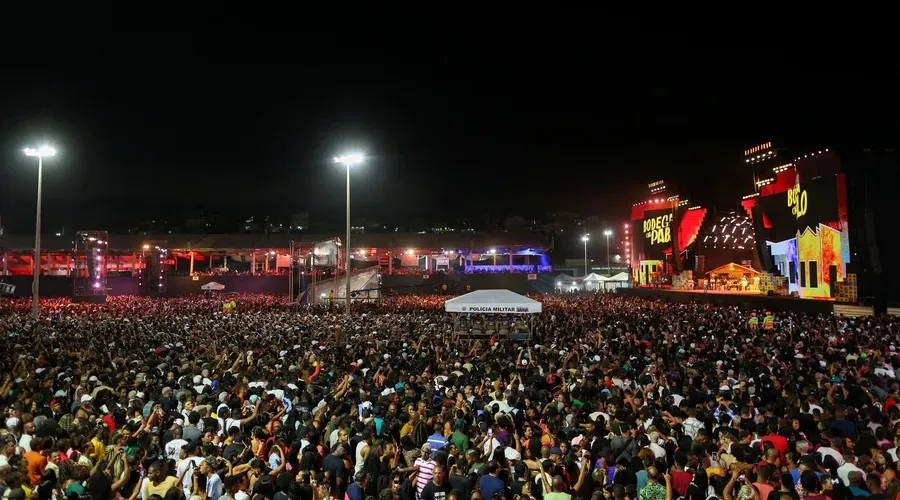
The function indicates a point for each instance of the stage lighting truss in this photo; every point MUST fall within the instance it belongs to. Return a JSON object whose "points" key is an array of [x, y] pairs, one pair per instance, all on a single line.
{"points": [[91, 261], [731, 231]]}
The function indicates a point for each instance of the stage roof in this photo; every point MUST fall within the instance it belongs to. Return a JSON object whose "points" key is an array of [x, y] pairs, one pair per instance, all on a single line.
{"points": [[478, 242], [493, 302], [731, 267]]}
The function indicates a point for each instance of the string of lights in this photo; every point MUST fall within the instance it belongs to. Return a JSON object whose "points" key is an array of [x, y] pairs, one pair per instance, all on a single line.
{"points": [[810, 155]]}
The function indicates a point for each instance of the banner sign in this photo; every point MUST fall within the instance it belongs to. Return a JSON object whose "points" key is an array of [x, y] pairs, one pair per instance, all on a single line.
{"points": [[497, 309]]}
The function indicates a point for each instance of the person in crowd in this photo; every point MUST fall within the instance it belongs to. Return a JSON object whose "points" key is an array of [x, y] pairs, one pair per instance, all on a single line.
{"points": [[437, 488]]}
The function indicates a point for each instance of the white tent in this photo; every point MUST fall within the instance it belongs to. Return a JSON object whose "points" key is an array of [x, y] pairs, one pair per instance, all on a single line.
{"points": [[593, 281], [493, 302], [213, 286], [568, 283], [623, 276]]}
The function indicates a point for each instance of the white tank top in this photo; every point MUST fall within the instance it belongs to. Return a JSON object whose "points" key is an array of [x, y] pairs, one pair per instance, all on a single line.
{"points": [[359, 458]]}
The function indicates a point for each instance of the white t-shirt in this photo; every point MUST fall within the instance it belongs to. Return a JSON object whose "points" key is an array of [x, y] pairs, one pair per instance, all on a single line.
{"points": [[826, 450], [173, 448], [539, 482], [274, 461], [187, 482], [25, 442], [500, 404], [333, 438], [231, 422], [844, 471], [814, 407], [691, 427], [489, 447], [596, 414]]}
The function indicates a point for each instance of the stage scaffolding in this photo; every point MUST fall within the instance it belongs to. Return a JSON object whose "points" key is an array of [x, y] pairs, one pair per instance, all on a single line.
{"points": [[305, 257], [152, 280], [90, 271]]}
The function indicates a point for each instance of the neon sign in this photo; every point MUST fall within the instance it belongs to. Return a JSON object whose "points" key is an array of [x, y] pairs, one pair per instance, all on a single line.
{"points": [[796, 200], [658, 229]]}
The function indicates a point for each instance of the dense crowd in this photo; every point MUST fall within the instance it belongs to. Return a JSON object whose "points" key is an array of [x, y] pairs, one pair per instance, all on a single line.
{"points": [[611, 397]]}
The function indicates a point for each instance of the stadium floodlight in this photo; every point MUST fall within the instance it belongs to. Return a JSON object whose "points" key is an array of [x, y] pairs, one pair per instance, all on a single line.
{"points": [[348, 160], [41, 153]]}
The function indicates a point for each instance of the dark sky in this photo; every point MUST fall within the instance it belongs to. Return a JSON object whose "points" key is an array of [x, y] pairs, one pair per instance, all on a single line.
{"points": [[160, 125]]}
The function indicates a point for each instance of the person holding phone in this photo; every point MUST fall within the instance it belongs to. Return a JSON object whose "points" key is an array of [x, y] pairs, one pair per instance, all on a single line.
{"points": [[213, 489], [189, 462]]}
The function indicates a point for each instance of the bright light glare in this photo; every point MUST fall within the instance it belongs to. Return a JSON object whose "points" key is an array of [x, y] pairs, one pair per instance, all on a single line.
{"points": [[607, 232], [584, 238], [41, 151], [350, 159]]}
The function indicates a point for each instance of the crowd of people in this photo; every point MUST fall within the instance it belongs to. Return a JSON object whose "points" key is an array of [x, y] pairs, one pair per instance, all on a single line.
{"points": [[610, 398]]}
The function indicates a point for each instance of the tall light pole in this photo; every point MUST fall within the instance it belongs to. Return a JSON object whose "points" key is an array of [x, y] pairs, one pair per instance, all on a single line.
{"points": [[608, 233], [35, 286], [348, 161], [585, 240]]}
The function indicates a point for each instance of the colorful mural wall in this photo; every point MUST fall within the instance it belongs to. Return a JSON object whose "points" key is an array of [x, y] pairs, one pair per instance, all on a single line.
{"points": [[807, 234]]}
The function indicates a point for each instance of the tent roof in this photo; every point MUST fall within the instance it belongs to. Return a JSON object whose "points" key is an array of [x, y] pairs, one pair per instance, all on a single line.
{"points": [[623, 276], [732, 267], [493, 301], [595, 277], [213, 285], [566, 277]]}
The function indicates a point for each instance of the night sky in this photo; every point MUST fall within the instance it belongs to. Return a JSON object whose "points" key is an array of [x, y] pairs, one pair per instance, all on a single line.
{"points": [[161, 126]]}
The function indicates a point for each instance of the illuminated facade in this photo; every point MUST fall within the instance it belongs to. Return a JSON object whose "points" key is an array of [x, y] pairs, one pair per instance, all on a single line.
{"points": [[804, 222]]}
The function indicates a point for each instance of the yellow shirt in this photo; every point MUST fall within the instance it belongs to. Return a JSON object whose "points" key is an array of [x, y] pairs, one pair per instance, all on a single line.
{"points": [[162, 488], [99, 448], [406, 429]]}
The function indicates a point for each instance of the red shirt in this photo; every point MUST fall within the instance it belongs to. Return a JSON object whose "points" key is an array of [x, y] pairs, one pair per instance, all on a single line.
{"points": [[779, 442], [764, 489], [681, 480], [110, 423]]}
